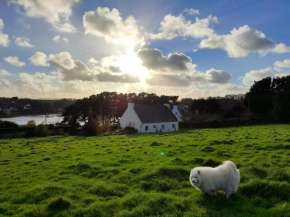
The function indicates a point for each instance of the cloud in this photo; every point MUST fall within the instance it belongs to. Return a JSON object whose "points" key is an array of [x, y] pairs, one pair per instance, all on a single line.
{"points": [[153, 59], [56, 12], [212, 76], [281, 48], [23, 42], [14, 60], [124, 78], [256, 75], [70, 69], [39, 59], [5, 73], [4, 38], [174, 26], [109, 25], [169, 80], [240, 42], [191, 11], [282, 74], [60, 39], [284, 64], [63, 60]]}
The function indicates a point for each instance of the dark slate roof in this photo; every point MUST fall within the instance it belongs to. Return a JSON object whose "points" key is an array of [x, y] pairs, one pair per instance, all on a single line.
{"points": [[154, 113]]}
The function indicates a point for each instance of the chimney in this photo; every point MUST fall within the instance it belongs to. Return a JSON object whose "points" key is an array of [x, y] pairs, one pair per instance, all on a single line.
{"points": [[130, 105], [167, 105]]}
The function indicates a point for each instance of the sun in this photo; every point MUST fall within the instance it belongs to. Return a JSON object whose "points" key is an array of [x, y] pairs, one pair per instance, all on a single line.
{"points": [[130, 63]]}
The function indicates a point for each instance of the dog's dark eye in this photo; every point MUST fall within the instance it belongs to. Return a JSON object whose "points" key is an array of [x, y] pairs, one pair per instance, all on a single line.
{"points": [[195, 177]]}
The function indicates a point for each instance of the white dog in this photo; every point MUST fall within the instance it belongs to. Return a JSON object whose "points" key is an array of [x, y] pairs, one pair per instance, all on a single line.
{"points": [[225, 177]]}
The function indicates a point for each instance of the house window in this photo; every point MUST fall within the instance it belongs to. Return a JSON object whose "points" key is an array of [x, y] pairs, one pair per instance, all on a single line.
{"points": [[146, 128], [162, 127], [154, 126], [173, 126]]}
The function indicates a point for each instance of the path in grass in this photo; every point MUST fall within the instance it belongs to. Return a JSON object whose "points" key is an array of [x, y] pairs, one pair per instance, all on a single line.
{"points": [[145, 175]]}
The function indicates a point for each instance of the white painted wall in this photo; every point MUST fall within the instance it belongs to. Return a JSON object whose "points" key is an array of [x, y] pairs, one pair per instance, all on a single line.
{"points": [[167, 127], [176, 112], [130, 118]]}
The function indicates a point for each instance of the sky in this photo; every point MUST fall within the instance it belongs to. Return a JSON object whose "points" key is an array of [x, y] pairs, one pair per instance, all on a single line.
{"points": [[191, 48]]}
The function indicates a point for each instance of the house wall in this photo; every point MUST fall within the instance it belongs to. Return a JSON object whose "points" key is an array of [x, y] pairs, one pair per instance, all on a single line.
{"points": [[130, 118], [176, 112], [167, 127]]}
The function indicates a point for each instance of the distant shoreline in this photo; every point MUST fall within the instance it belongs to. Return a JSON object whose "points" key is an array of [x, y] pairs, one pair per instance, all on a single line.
{"points": [[28, 114]]}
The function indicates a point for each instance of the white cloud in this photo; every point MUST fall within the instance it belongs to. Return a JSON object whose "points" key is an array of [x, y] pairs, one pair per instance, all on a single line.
{"points": [[70, 69], [109, 24], [172, 27], [256, 75], [55, 12], [281, 48], [5, 73], [14, 60], [4, 38], [282, 74], [191, 11], [23, 42], [278, 65], [240, 42], [62, 59], [39, 59], [60, 39]]}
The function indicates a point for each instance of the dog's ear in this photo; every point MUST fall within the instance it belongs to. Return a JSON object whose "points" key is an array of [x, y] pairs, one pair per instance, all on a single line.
{"points": [[198, 172]]}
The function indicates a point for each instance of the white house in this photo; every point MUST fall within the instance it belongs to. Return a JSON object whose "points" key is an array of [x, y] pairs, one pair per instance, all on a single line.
{"points": [[149, 118], [180, 112], [27, 107]]}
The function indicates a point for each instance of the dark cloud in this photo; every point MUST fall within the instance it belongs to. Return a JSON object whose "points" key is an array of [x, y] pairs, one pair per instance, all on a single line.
{"points": [[153, 59], [169, 80]]}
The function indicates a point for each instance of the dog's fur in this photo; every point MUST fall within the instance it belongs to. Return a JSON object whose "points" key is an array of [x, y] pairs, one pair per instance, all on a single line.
{"points": [[225, 177]]}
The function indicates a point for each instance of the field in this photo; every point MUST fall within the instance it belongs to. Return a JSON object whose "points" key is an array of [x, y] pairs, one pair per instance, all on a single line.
{"points": [[145, 175]]}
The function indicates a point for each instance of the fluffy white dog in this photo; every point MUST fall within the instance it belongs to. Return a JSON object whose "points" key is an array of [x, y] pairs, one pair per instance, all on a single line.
{"points": [[225, 177]]}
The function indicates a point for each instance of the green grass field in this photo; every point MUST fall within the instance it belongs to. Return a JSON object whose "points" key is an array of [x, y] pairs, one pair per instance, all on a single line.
{"points": [[145, 175]]}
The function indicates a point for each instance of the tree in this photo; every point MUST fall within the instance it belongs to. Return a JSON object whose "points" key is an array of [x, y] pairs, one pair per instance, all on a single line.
{"points": [[281, 99], [259, 98], [31, 123]]}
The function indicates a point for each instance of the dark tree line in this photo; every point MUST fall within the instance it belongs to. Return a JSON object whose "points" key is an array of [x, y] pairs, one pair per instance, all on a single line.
{"points": [[270, 99], [108, 107]]}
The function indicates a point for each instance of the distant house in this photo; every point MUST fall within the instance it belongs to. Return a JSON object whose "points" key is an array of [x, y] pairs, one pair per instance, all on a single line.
{"points": [[180, 112], [27, 107], [149, 118], [14, 109]]}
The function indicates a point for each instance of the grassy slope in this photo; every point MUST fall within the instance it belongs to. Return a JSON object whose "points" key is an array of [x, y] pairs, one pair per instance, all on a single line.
{"points": [[145, 175]]}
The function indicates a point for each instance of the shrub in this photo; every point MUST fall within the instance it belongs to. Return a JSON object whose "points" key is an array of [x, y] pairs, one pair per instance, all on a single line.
{"points": [[130, 130], [31, 123], [42, 131], [91, 129], [8, 124]]}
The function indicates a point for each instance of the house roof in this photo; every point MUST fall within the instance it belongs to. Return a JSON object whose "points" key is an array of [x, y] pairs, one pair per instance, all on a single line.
{"points": [[154, 113]]}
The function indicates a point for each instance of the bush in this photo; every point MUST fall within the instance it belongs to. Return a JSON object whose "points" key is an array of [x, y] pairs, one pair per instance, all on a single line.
{"points": [[8, 124], [91, 129], [42, 131], [130, 130], [31, 123]]}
